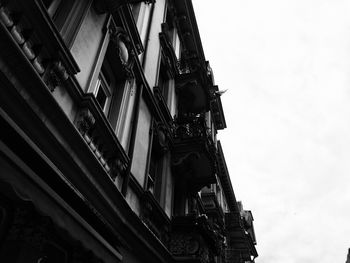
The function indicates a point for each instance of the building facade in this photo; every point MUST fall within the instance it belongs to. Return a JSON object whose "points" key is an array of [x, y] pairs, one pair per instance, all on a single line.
{"points": [[108, 153]]}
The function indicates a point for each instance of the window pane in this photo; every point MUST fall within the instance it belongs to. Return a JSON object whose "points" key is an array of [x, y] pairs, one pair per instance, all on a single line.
{"points": [[53, 7], [101, 97]]}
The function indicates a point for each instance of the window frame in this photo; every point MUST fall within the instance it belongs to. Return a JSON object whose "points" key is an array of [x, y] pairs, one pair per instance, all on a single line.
{"points": [[102, 84], [158, 154], [121, 89], [67, 23]]}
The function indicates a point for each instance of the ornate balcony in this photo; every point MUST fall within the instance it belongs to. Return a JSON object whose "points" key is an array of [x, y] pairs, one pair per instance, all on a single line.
{"points": [[193, 239], [212, 208], [155, 218], [192, 89], [235, 256], [44, 61], [240, 244], [32, 33], [100, 138], [194, 152]]}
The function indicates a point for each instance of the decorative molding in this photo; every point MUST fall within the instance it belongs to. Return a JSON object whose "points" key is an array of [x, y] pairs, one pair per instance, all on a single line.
{"points": [[123, 45], [184, 244], [191, 244], [153, 215], [161, 138], [16, 31], [117, 168], [56, 75], [84, 121], [190, 126], [59, 63]]}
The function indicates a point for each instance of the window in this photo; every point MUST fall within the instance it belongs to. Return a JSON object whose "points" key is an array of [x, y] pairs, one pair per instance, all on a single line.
{"points": [[103, 90], [170, 27], [163, 82], [166, 86], [111, 82], [159, 179], [142, 12], [135, 8], [155, 170], [171, 32], [110, 87], [56, 8], [67, 15], [219, 194], [152, 174]]}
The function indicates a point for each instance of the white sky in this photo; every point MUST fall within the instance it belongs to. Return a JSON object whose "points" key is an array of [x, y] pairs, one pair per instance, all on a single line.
{"points": [[286, 65]]}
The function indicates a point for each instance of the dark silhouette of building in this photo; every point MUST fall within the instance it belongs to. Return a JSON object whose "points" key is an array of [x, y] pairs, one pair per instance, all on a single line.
{"points": [[108, 151]]}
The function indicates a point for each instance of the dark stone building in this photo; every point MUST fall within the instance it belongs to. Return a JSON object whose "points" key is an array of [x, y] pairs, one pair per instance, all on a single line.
{"points": [[108, 151]]}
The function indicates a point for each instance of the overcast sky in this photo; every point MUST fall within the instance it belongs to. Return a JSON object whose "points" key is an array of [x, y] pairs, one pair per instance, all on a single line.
{"points": [[286, 65]]}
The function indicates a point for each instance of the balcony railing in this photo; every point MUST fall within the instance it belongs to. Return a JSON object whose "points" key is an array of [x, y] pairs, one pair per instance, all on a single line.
{"points": [[239, 241], [235, 256], [212, 206], [100, 137], [192, 126], [194, 237], [29, 26], [233, 220], [30, 32], [194, 152], [153, 215]]}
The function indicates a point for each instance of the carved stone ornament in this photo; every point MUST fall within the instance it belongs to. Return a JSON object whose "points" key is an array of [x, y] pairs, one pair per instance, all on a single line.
{"points": [[182, 244], [151, 216], [189, 244], [161, 139], [85, 120], [56, 75], [117, 167], [124, 48], [204, 255]]}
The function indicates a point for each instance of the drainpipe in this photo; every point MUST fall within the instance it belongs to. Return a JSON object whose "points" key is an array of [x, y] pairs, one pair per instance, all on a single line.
{"points": [[136, 113]]}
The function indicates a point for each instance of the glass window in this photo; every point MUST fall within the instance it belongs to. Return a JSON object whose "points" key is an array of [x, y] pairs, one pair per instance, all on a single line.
{"points": [[67, 15], [172, 34], [163, 83], [103, 90], [110, 86], [114, 91], [141, 12], [155, 171], [136, 10]]}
